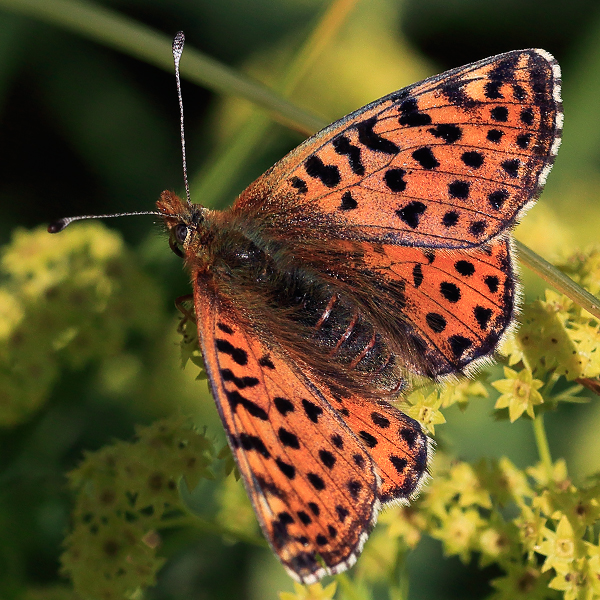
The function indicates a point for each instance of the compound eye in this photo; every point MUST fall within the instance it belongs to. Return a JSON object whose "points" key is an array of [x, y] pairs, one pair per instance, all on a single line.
{"points": [[181, 233]]}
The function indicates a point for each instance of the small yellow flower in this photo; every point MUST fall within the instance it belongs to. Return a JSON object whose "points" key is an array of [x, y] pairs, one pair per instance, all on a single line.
{"points": [[425, 410], [458, 532], [514, 481], [468, 486], [460, 393], [531, 528], [406, 523], [560, 547], [521, 582], [572, 582], [519, 393]]}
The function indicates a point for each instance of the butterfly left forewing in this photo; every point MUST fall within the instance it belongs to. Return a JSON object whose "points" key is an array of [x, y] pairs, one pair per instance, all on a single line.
{"points": [[449, 162], [311, 481]]}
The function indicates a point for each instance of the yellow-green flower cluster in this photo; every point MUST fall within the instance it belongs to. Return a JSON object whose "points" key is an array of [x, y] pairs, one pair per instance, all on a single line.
{"points": [[549, 549], [125, 493], [64, 300]]}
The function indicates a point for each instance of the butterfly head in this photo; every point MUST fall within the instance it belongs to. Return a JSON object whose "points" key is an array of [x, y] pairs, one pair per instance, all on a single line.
{"points": [[183, 219]]}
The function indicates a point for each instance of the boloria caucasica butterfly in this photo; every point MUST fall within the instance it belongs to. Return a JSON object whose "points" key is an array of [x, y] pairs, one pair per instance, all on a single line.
{"points": [[377, 251]]}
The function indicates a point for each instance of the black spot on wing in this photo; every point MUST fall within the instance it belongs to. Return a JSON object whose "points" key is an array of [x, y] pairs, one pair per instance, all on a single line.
{"points": [[450, 218], [398, 463], [459, 345], [368, 439], [446, 131], [238, 355], [283, 405], [492, 282], [265, 361], [511, 167], [477, 228], [500, 114], [380, 420], [225, 328], [354, 487], [236, 399], [472, 159], [288, 439], [411, 116], [411, 213], [374, 141], [450, 291], [316, 481], [527, 116], [498, 198], [329, 175], [342, 145], [436, 322], [409, 436], [342, 513], [492, 90], [313, 412], [239, 382], [394, 179], [288, 470], [299, 184], [524, 140], [494, 135], [482, 316], [304, 517], [252, 442], [336, 440], [327, 458], [459, 189], [348, 202], [417, 275], [464, 268], [425, 157]]}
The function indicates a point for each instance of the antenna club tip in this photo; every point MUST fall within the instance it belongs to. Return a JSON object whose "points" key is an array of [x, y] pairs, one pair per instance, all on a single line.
{"points": [[178, 42], [57, 226]]}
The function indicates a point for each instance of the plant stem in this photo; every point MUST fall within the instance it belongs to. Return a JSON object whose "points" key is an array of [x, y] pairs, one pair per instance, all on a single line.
{"points": [[115, 30], [541, 441], [558, 280]]}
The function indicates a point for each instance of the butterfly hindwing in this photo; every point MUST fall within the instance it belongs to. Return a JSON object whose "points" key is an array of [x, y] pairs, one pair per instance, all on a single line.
{"points": [[458, 304], [445, 163]]}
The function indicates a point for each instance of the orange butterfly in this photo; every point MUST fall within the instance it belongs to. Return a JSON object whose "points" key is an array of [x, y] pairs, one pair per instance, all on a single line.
{"points": [[377, 251]]}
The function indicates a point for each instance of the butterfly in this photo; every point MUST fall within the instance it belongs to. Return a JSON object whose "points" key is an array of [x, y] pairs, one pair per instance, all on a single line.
{"points": [[375, 254]]}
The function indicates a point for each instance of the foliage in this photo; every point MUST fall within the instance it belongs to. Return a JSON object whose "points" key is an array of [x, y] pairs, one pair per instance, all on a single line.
{"points": [[81, 316]]}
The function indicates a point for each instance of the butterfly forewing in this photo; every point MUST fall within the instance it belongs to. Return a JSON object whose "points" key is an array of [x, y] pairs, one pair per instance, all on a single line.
{"points": [[316, 473], [445, 163]]}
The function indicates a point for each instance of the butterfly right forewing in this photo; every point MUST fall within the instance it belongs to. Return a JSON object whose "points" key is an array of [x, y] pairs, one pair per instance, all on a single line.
{"points": [[446, 163]]}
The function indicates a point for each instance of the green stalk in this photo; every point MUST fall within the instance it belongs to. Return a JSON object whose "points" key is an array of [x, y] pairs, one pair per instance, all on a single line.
{"points": [[212, 182], [117, 31], [541, 440], [558, 280]]}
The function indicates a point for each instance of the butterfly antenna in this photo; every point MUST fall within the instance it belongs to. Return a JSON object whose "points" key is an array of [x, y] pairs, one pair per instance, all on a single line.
{"points": [[178, 43], [59, 225]]}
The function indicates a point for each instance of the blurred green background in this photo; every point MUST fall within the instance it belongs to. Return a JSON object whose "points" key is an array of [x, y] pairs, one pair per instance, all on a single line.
{"points": [[88, 129]]}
